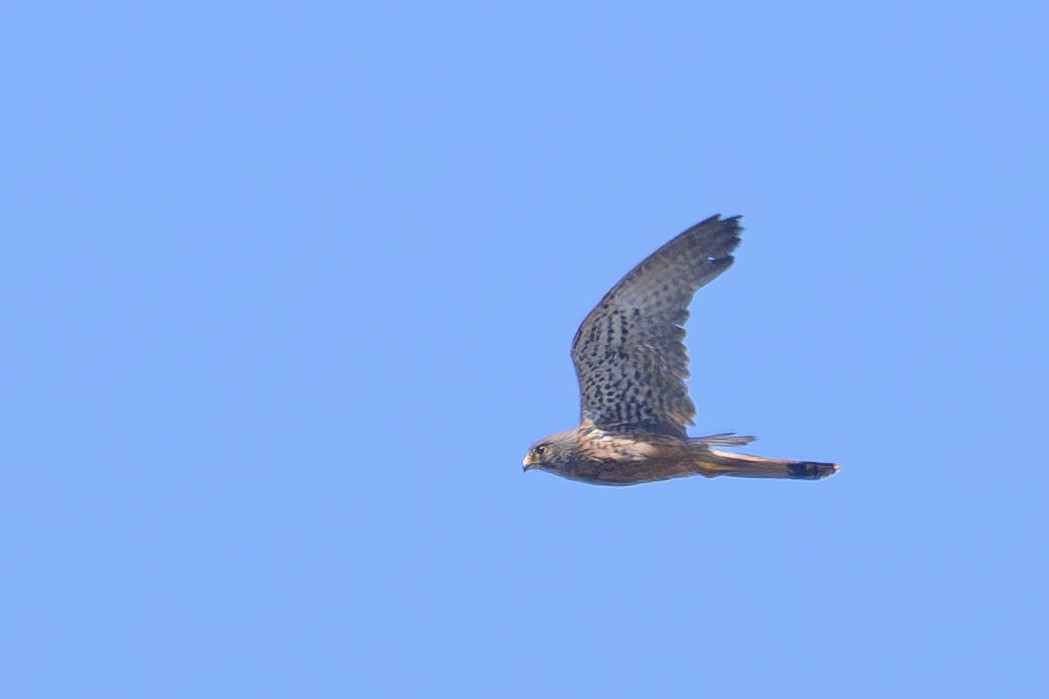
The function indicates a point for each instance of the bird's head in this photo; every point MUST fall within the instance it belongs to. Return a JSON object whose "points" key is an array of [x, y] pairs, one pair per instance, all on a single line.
{"points": [[551, 452]]}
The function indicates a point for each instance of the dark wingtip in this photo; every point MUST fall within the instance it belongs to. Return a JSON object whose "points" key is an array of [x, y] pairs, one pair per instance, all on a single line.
{"points": [[812, 470], [714, 238], [729, 222], [717, 217]]}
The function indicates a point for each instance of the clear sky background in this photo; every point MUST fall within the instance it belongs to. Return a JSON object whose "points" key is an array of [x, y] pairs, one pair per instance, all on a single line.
{"points": [[288, 289]]}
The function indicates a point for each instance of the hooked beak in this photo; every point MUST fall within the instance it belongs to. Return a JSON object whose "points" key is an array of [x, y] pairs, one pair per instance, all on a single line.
{"points": [[527, 463]]}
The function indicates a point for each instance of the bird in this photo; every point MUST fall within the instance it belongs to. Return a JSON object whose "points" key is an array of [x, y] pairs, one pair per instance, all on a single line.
{"points": [[631, 363]]}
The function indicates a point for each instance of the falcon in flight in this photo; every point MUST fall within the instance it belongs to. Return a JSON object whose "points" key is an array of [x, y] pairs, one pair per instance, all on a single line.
{"points": [[632, 364]]}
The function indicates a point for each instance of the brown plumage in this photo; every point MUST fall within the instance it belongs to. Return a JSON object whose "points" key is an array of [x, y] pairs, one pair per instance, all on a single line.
{"points": [[632, 364]]}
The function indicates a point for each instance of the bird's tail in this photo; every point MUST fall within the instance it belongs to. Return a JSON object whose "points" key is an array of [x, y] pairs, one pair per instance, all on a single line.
{"points": [[722, 463]]}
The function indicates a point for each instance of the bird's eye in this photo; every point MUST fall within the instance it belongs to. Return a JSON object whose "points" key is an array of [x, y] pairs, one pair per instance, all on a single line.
{"points": [[540, 450]]}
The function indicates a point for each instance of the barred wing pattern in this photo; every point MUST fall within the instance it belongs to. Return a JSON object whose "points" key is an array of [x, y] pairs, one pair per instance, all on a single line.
{"points": [[629, 354]]}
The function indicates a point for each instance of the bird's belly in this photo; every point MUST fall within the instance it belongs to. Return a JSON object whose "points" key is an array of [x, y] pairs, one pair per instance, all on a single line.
{"points": [[628, 472]]}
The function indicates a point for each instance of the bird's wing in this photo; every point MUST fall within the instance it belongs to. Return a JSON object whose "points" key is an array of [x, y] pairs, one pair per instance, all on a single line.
{"points": [[629, 353]]}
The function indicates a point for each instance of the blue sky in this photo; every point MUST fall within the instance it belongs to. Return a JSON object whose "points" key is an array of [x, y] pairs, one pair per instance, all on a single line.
{"points": [[288, 290]]}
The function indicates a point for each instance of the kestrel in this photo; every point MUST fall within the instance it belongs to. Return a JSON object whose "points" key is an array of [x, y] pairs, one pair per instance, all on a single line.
{"points": [[632, 364]]}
